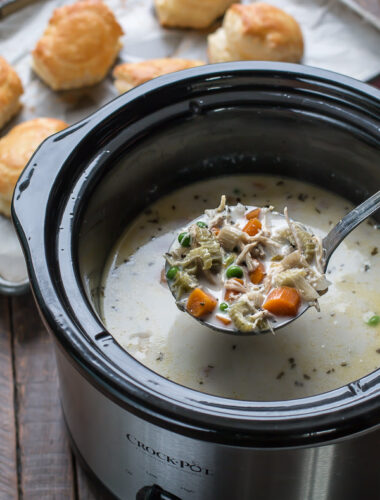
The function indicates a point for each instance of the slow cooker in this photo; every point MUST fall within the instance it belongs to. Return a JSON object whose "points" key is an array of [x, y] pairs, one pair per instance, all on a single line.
{"points": [[143, 436]]}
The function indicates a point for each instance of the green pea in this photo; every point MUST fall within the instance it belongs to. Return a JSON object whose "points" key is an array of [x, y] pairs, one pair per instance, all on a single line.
{"points": [[201, 224], [374, 320], [172, 271], [184, 239], [223, 306], [234, 272]]}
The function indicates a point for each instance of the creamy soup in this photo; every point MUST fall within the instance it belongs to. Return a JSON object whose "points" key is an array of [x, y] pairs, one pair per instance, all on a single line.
{"points": [[249, 269], [320, 351]]}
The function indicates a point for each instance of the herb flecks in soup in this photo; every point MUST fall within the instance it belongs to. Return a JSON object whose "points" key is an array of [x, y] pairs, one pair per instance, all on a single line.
{"points": [[245, 267], [317, 352]]}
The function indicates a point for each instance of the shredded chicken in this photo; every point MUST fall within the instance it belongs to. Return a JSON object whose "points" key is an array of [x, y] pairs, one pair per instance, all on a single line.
{"points": [[230, 236], [222, 204], [275, 257], [292, 230], [217, 221], [234, 285], [246, 250]]}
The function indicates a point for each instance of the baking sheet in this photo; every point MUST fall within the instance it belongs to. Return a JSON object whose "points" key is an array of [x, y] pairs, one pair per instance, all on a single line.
{"points": [[336, 38], [369, 9]]}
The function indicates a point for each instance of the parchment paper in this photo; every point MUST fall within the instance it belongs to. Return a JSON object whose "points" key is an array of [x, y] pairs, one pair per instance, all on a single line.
{"points": [[335, 38]]}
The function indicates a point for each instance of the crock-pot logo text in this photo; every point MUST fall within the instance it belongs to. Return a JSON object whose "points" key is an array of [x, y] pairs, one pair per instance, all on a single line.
{"points": [[181, 464]]}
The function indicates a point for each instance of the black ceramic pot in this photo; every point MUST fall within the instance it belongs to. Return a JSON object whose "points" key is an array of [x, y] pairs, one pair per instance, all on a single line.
{"points": [[133, 428]]}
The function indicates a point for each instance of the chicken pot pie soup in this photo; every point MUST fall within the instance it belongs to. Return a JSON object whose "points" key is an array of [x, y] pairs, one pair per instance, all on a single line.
{"points": [[249, 269], [320, 351]]}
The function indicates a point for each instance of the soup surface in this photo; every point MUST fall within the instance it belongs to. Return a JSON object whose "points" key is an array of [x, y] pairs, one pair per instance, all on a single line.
{"points": [[318, 352]]}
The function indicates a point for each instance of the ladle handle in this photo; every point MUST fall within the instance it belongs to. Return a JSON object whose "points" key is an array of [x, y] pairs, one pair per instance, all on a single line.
{"points": [[347, 224]]}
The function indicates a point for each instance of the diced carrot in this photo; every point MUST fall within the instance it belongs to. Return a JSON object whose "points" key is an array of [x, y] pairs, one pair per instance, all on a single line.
{"points": [[231, 295], [253, 214], [200, 303], [252, 227], [215, 231], [258, 274], [283, 301], [223, 319]]}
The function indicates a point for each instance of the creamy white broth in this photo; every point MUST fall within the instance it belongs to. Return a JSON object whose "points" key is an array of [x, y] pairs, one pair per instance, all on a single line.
{"points": [[320, 351], [273, 222]]}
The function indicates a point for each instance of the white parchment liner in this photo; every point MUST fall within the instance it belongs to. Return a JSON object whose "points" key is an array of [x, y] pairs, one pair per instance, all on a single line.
{"points": [[335, 38]]}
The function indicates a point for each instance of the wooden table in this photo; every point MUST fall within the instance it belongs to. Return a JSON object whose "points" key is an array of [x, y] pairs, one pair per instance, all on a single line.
{"points": [[35, 458]]}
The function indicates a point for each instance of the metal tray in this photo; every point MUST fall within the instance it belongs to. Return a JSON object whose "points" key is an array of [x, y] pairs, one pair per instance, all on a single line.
{"points": [[335, 38]]}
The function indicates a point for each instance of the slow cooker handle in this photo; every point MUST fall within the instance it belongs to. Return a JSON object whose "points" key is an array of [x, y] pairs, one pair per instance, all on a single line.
{"points": [[42, 171], [155, 492]]}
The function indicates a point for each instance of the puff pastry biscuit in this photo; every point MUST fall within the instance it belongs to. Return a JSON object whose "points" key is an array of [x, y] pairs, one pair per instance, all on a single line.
{"points": [[16, 149], [128, 75], [256, 31], [79, 45], [190, 13], [10, 91]]}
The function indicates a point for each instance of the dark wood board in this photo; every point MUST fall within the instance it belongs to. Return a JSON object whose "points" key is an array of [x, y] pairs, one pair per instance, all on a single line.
{"points": [[46, 467], [87, 489], [8, 462]]}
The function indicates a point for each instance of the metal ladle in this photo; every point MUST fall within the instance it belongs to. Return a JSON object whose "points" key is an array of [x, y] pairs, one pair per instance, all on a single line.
{"points": [[329, 244]]}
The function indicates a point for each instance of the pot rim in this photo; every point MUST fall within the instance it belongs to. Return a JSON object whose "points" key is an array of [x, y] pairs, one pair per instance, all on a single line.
{"points": [[317, 419]]}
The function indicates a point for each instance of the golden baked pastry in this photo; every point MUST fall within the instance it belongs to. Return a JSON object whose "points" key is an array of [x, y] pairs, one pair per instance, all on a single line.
{"points": [[10, 91], [256, 31], [79, 45], [16, 149], [190, 13], [128, 75]]}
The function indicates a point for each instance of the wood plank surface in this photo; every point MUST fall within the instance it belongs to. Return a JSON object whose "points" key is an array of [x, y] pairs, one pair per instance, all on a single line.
{"points": [[8, 461], [46, 470], [86, 488]]}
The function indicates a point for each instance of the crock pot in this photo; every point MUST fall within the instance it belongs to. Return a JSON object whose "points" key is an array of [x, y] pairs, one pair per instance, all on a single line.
{"points": [[144, 436]]}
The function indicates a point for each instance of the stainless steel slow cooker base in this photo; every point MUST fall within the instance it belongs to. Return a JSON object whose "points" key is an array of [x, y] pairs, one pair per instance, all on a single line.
{"points": [[143, 435], [130, 456]]}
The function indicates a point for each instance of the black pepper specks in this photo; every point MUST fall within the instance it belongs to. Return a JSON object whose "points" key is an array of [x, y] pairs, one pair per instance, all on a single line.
{"points": [[374, 251], [292, 363]]}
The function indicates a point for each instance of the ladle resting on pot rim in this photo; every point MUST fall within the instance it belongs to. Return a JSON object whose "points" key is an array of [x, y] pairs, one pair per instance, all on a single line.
{"points": [[250, 270]]}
